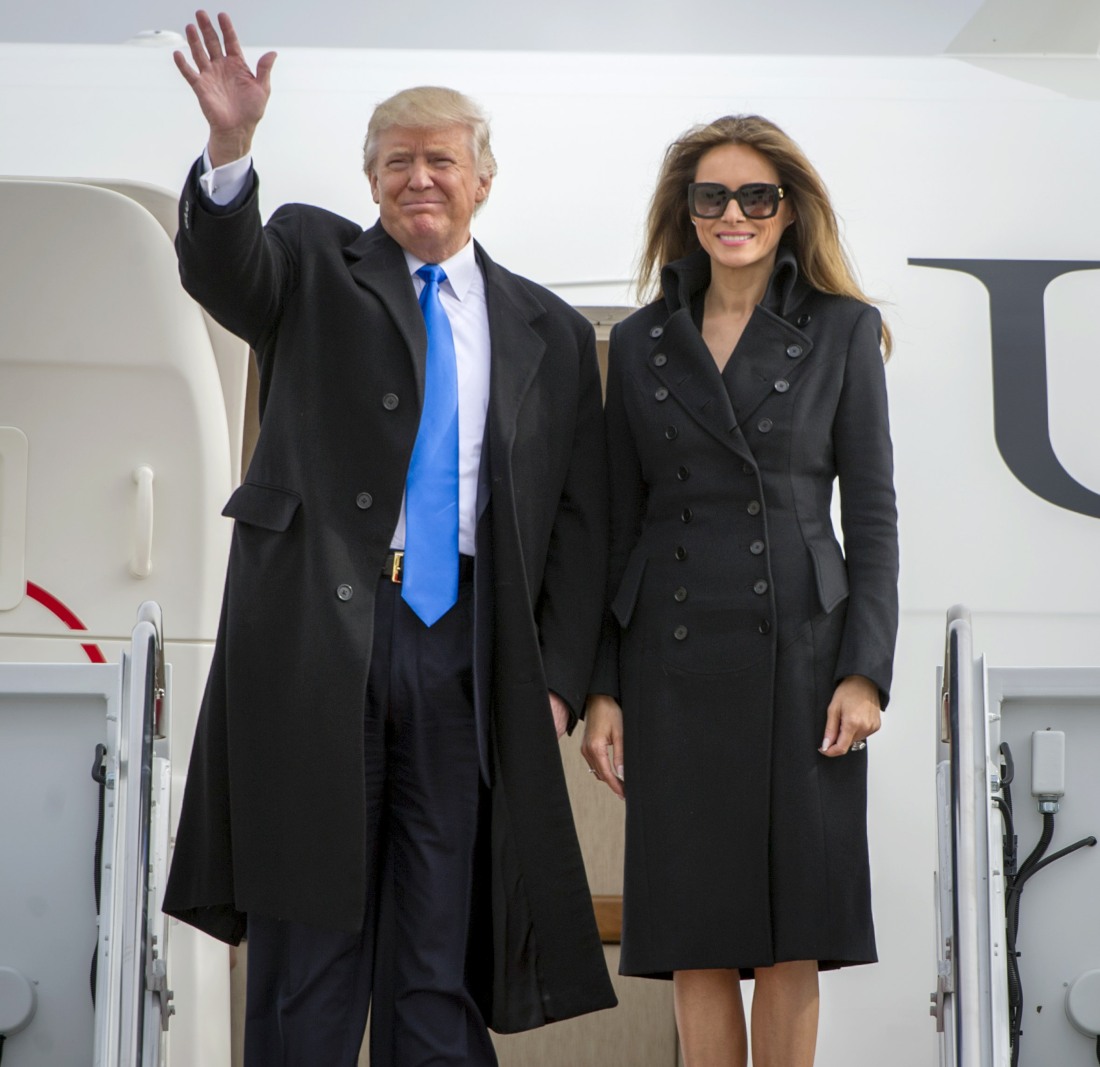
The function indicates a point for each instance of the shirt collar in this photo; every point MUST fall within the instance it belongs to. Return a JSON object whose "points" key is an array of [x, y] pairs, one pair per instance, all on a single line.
{"points": [[461, 268]]}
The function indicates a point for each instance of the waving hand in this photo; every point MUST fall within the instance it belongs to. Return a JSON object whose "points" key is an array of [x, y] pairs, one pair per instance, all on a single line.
{"points": [[232, 98]]}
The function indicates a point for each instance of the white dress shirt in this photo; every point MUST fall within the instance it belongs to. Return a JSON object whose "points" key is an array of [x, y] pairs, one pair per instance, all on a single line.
{"points": [[463, 298]]}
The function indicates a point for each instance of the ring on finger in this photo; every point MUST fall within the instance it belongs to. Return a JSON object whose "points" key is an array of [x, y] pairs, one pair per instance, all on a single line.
{"points": [[858, 746], [592, 770]]}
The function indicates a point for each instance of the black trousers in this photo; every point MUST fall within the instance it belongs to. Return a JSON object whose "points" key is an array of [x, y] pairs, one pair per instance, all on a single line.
{"points": [[309, 989]]}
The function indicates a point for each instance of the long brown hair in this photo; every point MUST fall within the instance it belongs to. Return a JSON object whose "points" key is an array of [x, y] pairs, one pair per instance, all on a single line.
{"points": [[821, 258]]}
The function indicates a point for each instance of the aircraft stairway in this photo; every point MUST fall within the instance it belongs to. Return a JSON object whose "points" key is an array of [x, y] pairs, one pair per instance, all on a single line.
{"points": [[85, 792], [1018, 974]]}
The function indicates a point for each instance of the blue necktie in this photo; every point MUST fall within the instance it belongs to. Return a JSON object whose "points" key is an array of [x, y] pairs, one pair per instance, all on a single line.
{"points": [[430, 576]]}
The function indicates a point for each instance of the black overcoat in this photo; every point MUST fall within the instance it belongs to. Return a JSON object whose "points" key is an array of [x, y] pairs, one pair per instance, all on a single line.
{"points": [[734, 612], [273, 815]]}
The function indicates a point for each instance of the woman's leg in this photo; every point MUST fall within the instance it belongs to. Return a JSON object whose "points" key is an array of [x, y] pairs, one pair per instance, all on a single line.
{"points": [[784, 1015], [710, 1018]]}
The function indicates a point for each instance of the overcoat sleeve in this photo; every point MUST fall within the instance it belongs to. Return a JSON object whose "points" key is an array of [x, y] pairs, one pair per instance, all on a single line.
{"points": [[627, 494], [571, 599], [865, 470], [237, 269]]}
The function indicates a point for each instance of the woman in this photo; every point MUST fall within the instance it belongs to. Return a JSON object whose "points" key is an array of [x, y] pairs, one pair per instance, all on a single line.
{"points": [[751, 657]]}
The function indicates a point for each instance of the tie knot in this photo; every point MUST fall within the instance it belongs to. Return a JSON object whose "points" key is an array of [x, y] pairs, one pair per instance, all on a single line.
{"points": [[432, 272]]}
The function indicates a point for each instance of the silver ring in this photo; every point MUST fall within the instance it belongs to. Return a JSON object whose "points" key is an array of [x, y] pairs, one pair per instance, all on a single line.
{"points": [[858, 746], [592, 770]]}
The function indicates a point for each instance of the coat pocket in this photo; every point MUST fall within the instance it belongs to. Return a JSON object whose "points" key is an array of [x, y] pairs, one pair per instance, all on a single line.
{"points": [[265, 506], [622, 607], [831, 572]]}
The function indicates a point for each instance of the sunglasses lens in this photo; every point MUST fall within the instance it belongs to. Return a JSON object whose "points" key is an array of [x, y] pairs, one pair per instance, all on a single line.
{"points": [[759, 201], [709, 199]]}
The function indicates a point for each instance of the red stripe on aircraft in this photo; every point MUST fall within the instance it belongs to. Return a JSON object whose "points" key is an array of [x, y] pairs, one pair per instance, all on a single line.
{"points": [[67, 616]]}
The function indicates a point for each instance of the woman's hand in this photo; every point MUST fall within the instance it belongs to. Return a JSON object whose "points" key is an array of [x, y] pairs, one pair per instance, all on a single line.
{"points": [[603, 735], [854, 714], [232, 98]]}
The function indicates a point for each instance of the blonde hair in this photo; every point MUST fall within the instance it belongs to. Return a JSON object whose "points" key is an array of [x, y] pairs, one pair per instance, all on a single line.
{"points": [[431, 107], [821, 258]]}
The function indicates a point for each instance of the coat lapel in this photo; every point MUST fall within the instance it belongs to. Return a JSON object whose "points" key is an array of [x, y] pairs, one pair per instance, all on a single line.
{"points": [[377, 263], [768, 358], [516, 351], [682, 364]]}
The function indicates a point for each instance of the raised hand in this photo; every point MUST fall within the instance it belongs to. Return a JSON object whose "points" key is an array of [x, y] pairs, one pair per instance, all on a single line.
{"points": [[232, 98]]}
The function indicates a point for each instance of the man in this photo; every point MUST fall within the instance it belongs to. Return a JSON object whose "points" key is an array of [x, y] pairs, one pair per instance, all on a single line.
{"points": [[403, 594]]}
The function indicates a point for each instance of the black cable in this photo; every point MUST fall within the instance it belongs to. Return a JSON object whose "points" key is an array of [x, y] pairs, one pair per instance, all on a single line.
{"points": [[1041, 845], [1031, 866], [1085, 842], [1008, 773], [1012, 912], [1009, 854], [99, 775], [1010, 767], [1008, 841]]}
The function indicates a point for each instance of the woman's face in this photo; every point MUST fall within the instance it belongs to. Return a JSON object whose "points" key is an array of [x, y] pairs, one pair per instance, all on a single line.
{"points": [[734, 241]]}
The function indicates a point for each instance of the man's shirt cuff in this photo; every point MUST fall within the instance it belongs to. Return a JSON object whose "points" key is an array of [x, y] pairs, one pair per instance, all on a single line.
{"points": [[222, 185]]}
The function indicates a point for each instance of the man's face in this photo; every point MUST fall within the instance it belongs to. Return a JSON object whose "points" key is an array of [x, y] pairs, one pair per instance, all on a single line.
{"points": [[426, 185]]}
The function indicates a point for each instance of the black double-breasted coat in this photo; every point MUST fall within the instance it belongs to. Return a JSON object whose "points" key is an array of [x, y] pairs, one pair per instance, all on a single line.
{"points": [[734, 613], [273, 815]]}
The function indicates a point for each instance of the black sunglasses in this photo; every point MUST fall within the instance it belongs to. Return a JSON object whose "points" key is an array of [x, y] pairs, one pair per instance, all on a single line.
{"points": [[758, 200]]}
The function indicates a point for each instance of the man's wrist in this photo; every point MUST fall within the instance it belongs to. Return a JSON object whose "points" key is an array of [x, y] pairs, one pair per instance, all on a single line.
{"points": [[228, 148]]}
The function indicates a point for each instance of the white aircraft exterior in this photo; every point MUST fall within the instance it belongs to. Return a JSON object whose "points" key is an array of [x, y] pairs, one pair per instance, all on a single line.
{"points": [[966, 188]]}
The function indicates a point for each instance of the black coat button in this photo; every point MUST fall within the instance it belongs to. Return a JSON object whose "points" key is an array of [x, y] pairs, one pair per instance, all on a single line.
{"points": [[687, 515], [390, 401], [683, 473], [760, 587], [794, 351], [656, 332], [756, 547], [746, 467], [782, 385], [680, 595], [661, 394], [681, 552], [764, 425], [680, 633], [364, 501], [753, 507], [671, 433], [343, 592], [765, 626], [804, 320], [660, 359]]}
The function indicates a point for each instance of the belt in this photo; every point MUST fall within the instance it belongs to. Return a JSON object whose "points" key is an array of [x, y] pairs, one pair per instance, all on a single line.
{"points": [[394, 567]]}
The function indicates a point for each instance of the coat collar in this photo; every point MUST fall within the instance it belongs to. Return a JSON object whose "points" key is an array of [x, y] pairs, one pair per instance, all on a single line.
{"points": [[517, 349], [683, 278]]}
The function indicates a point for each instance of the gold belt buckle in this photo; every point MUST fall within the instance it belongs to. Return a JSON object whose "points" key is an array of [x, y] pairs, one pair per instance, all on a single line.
{"points": [[397, 568]]}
